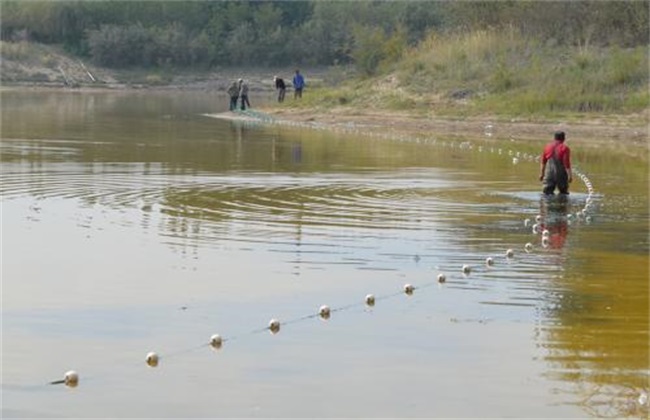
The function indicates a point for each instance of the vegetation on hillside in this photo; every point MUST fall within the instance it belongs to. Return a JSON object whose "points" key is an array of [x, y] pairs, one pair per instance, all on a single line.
{"points": [[363, 32], [499, 72]]}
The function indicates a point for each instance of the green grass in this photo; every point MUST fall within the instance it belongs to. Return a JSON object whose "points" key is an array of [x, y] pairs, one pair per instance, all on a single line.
{"points": [[16, 50], [27, 52], [502, 73]]}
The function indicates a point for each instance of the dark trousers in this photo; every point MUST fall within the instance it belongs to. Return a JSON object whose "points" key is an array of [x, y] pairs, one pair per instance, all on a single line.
{"points": [[550, 185], [281, 93], [555, 176], [244, 102], [233, 102]]}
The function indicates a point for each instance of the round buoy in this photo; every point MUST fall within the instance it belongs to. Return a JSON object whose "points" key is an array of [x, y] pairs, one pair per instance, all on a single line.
{"points": [[528, 247], [467, 269], [216, 341], [370, 300], [538, 218], [545, 242], [324, 312], [527, 222], [274, 326], [515, 161], [71, 379], [546, 233], [489, 261], [152, 359], [442, 278], [510, 253], [408, 289]]}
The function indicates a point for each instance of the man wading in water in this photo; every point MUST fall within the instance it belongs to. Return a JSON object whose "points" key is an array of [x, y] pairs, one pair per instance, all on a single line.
{"points": [[555, 166]]}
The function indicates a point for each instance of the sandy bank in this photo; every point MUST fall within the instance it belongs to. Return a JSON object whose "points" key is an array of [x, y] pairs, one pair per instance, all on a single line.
{"points": [[623, 133]]}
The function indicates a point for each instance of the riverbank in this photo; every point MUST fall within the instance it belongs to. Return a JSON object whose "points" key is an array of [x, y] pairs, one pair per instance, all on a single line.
{"points": [[626, 134], [29, 65], [41, 67]]}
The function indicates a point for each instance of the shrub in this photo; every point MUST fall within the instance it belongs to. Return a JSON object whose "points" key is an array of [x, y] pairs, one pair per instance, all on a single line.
{"points": [[508, 73], [15, 50]]}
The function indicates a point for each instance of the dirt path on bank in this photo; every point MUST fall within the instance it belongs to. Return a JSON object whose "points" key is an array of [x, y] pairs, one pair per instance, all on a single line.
{"points": [[627, 134], [630, 130]]}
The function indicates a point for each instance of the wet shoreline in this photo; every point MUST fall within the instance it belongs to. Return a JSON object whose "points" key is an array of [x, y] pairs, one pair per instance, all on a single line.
{"points": [[622, 133]]}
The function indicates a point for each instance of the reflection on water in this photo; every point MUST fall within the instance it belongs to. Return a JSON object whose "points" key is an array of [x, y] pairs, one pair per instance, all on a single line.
{"points": [[132, 223], [555, 219]]}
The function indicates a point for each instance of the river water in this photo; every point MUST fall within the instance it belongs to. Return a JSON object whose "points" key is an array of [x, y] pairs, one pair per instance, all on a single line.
{"points": [[132, 222]]}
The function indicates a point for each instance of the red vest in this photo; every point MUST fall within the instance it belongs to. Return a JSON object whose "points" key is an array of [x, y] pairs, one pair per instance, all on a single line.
{"points": [[562, 152]]}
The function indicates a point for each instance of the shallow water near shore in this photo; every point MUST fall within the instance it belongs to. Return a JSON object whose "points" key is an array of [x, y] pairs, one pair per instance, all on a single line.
{"points": [[131, 223]]}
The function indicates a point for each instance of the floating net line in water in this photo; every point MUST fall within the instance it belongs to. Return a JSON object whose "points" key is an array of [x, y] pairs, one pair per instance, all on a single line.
{"points": [[154, 359]]}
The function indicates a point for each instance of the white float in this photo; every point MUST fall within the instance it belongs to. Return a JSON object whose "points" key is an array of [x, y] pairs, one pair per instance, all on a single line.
{"points": [[324, 312], [152, 359], [71, 379], [216, 341], [408, 289], [274, 326]]}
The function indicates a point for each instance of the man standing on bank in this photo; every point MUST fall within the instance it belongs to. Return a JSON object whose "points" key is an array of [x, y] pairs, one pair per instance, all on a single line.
{"points": [[298, 84], [233, 94], [281, 87], [555, 166], [243, 94]]}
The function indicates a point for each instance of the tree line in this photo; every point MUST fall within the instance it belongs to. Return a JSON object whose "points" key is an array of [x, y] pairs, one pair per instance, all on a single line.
{"points": [[363, 32]]}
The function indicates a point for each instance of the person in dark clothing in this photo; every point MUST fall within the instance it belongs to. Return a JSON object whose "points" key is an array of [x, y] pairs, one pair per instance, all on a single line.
{"points": [[233, 93], [243, 94], [281, 88], [555, 166]]}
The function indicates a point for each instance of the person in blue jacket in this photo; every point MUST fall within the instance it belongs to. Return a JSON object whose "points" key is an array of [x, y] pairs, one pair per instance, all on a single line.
{"points": [[298, 84]]}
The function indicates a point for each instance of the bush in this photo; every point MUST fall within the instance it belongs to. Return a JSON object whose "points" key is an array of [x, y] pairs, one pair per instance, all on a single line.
{"points": [[15, 50], [117, 46], [373, 49], [153, 79], [517, 75]]}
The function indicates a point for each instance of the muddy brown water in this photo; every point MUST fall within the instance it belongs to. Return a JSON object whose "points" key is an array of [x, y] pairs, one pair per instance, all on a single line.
{"points": [[131, 222]]}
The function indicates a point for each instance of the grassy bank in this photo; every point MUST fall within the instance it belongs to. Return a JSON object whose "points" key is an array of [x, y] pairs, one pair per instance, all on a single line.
{"points": [[483, 75], [489, 72]]}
